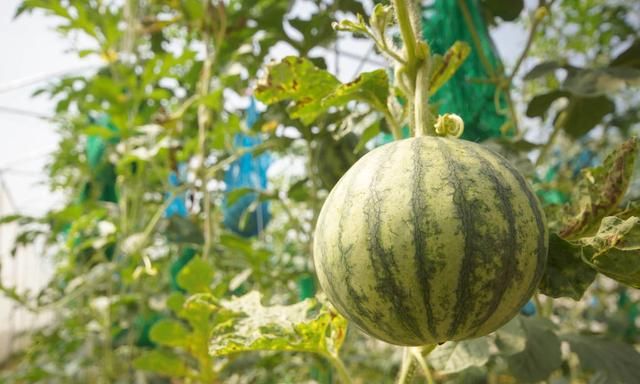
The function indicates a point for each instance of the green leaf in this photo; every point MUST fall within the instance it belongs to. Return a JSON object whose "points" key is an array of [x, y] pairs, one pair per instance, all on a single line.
{"points": [[506, 10], [162, 362], [614, 249], [566, 275], [298, 80], [584, 113], [541, 355], [175, 301], [511, 338], [369, 133], [630, 57], [179, 229], [305, 326], [234, 195], [456, 356], [598, 192], [601, 81], [447, 65], [299, 190], [196, 276], [542, 69], [170, 332], [619, 362], [539, 104], [359, 27], [370, 87]]}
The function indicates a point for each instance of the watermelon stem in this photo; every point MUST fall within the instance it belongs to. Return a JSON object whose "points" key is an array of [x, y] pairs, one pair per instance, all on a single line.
{"points": [[417, 353], [339, 366], [417, 67]]}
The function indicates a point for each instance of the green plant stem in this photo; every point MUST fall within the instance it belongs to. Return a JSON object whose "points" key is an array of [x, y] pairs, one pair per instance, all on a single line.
{"points": [[416, 69], [557, 127], [340, 368], [405, 367], [539, 307], [393, 125], [475, 36], [537, 19], [204, 118], [421, 108], [418, 356], [407, 30]]}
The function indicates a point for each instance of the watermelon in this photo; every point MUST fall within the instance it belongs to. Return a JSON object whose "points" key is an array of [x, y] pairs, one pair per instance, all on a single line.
{"points": [[430, 239]]}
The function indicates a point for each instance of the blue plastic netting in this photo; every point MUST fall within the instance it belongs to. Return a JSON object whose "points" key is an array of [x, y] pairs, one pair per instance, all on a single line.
{"points": [[245, 216], [178, 205]]}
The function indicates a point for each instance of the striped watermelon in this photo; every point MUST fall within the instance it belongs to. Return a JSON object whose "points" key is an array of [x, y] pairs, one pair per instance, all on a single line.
{"points": [[430, 239]]}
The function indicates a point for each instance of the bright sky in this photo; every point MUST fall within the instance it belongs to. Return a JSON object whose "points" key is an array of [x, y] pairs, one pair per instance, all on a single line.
{"points": [[31, 49]]}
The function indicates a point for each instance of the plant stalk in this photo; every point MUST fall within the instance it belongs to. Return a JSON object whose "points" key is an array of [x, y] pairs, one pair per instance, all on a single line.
{"points": [[340, 368], [407, 29], [420, 101]]}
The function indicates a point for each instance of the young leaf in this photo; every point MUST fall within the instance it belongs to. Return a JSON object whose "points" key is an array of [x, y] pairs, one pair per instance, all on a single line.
{"points": [[170, 332], [614, 249], [599, 191], [448, 65], [305, 326], [456, 356], [196, 276], [298, 80], [541, 355], [566, 274], [618, 362], [162, 362]]}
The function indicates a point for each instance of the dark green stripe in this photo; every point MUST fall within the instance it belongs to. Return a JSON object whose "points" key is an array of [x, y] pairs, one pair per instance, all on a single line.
{"points": [[506, 246], [361, 314], [471, 258], [541, 248], [382, 258], [420, 214]]}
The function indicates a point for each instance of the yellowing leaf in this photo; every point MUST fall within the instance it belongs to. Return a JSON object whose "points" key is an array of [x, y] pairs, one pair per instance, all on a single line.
{"points": [[599, 191], [298, 80], [305, 326], [447, 65], [369, 87], [615, 249]]}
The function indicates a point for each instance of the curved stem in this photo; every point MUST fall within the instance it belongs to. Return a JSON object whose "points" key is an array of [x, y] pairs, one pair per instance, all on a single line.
{"points": [[341, 370], [406, 367], [417, 355], [475, 37], [396, 131], [538, 16], [557, 127]]}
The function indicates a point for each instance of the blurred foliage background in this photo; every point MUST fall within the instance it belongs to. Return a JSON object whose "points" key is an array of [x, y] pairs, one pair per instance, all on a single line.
{"points": [[183, 249]]}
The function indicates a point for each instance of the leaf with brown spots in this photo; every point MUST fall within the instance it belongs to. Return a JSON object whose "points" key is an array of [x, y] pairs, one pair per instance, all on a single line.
{"points": [[370, 87], [298, 80], [615, 249], [447, 65], [598, 192]]}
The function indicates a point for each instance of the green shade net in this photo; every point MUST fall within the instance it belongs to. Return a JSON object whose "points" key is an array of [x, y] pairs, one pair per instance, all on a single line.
{"points": [[467, 93]]}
